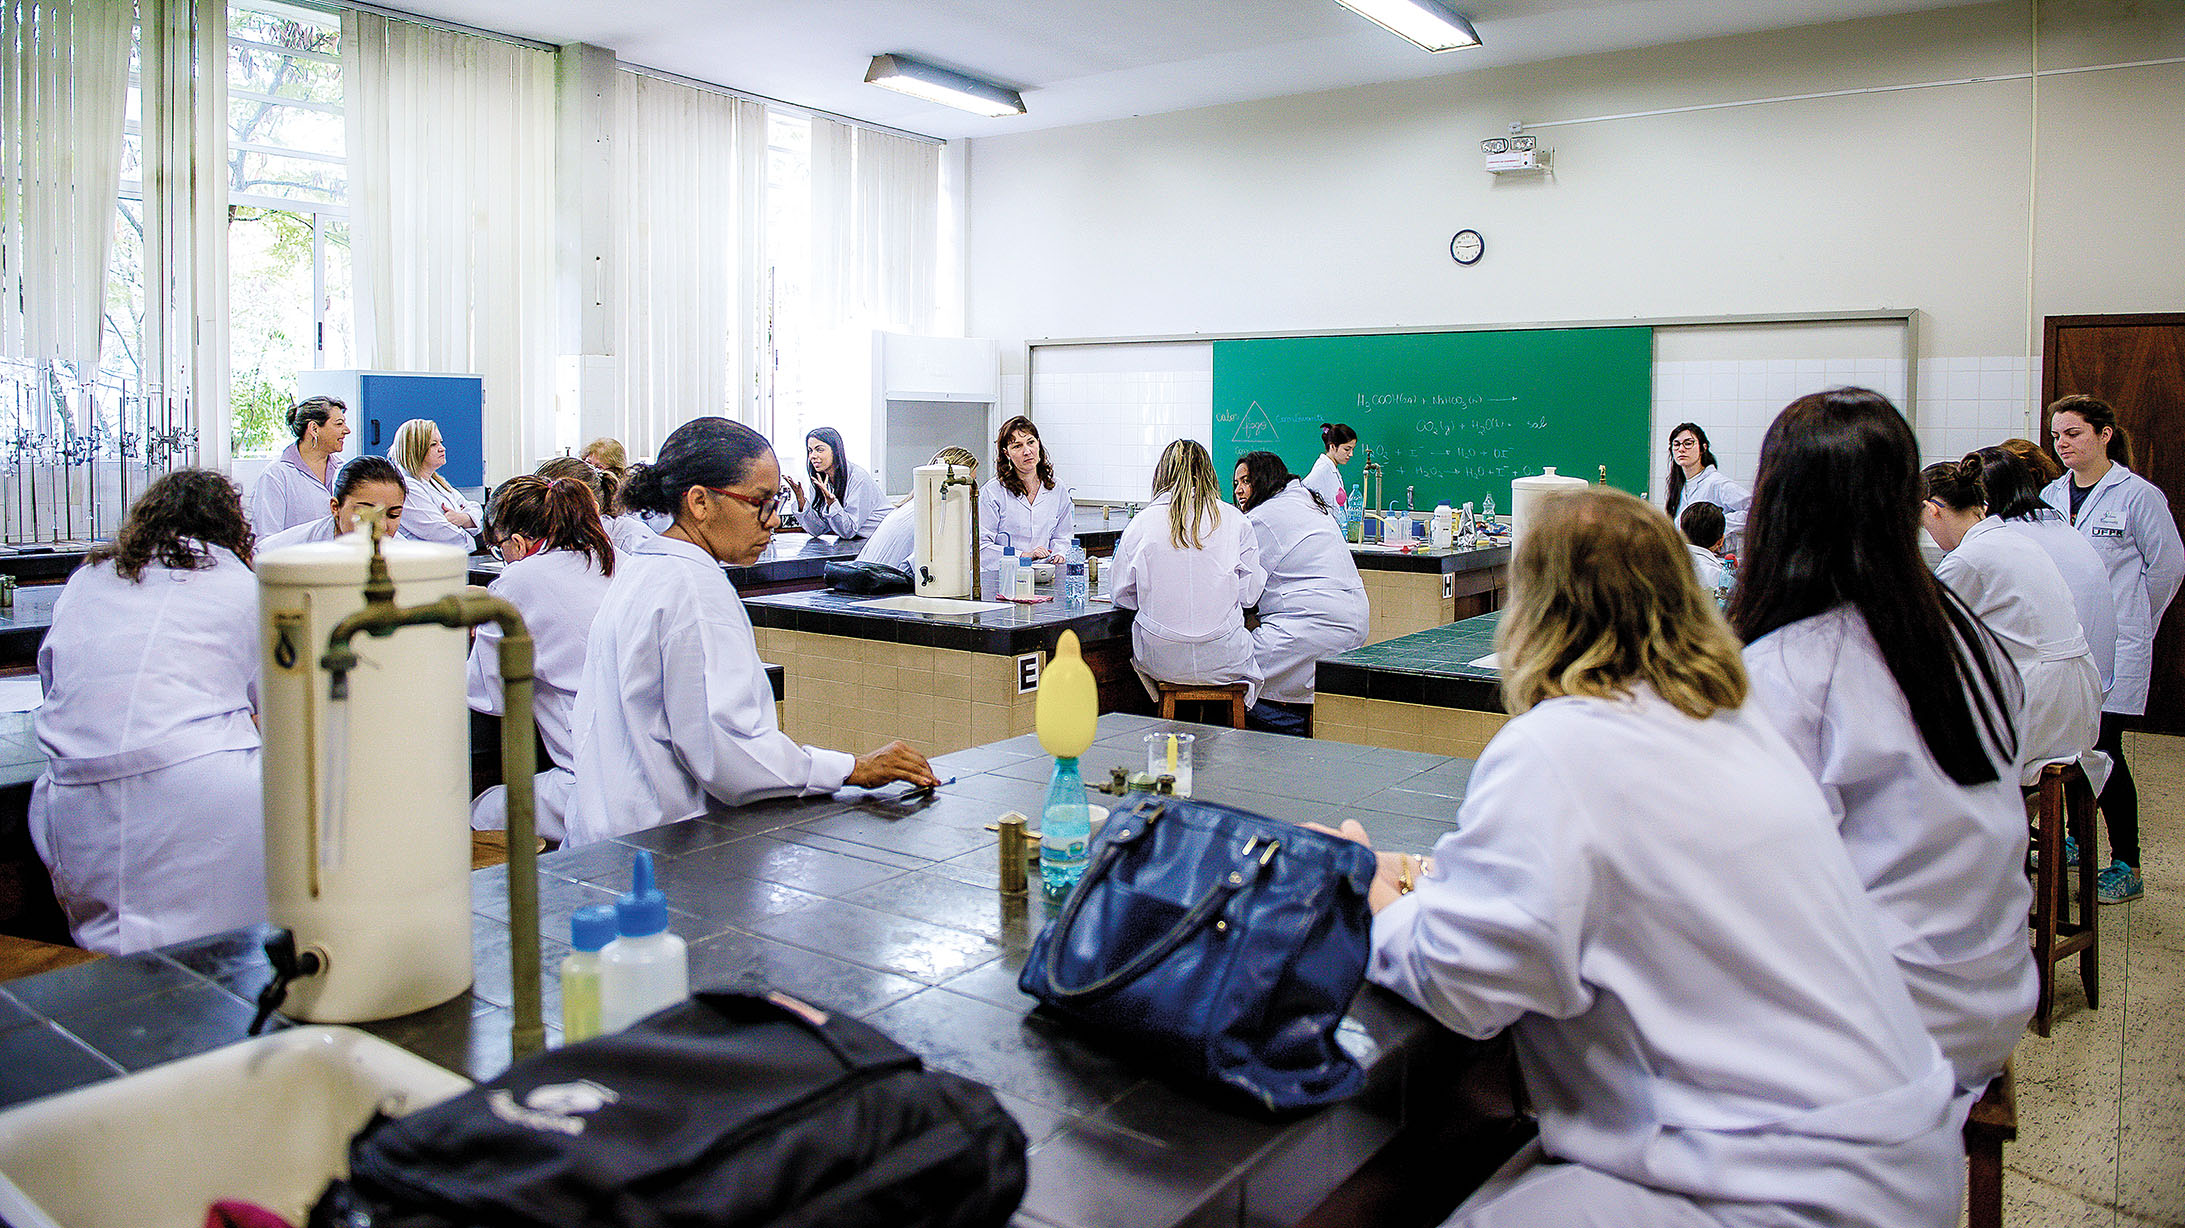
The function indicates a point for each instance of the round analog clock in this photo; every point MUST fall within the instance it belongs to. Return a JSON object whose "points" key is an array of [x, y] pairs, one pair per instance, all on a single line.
{"points": [[1466, 247]]}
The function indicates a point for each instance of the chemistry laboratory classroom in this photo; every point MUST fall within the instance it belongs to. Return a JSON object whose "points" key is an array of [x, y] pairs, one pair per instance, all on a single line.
{"points": [[1336, 613]]}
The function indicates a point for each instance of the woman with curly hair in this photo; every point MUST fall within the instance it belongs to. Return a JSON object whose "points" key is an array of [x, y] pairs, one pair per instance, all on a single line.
{"points": [[149, 815], [1022, 505]]}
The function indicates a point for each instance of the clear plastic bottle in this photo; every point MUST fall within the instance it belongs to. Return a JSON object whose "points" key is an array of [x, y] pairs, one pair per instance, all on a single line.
{"points": [[1487, 510], [590, 928], [1076, 593], [645, 968], [1065, 828], [1005, 580]]}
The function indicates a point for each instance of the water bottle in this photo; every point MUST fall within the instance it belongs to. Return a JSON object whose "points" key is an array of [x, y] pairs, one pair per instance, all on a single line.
{"points": [[1075, 592], [1065, 828], [1005, 583], [1487, 509]]}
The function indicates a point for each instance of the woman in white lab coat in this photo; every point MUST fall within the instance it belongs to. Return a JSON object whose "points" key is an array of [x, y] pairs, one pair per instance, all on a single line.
{"points": [[675, 715], [1694, 478], [1313, 604], [1900, 704], [1706, 1013], [2010, 583], [845, 499], [434, 512], [364, 483], [149, 815], [1337, 443], [297, 484], [623, 529], [2014, 497], [559, 564], [1021, 505], [1189, 564], [2127, 521]]}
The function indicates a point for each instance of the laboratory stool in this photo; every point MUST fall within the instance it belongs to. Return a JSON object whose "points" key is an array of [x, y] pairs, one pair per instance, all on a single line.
{"points": [[2064, 803], [1992, 1123], [1173, 693]]}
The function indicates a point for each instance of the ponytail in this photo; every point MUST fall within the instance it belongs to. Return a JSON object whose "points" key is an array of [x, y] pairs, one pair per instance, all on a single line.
{"points": [[558, 513], [1334, 435], [1956, 484], [603, 482]]}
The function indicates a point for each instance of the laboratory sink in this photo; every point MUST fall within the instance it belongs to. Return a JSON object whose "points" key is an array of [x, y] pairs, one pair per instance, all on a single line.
{"points": [[264, 1121], [932, 605]]}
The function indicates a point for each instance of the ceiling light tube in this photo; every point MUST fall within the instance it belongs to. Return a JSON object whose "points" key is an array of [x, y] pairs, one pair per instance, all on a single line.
{"points": [[929, 83], [1429, 23]]}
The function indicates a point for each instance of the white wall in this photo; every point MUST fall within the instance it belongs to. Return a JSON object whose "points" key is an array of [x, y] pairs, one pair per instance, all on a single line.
{"points": [[1334, 210]]}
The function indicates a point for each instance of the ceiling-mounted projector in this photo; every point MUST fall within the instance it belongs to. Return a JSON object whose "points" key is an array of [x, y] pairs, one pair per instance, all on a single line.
{"points": [[1513, 153]]}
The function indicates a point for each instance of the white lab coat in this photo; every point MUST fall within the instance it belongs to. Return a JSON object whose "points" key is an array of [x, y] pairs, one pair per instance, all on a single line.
{"points": [[1702, 997], [1326, 481], [895, 540], [1313, 604], [1707, 566], [1049, 521], [1945, 862], [1711, 487], [1190, 603], [2010, 583], [558, 592], [675, 713], [859, 512], [287, 495], [2088, 579], [2128, 522], [425, 514], [626, 530], [150, 815], [321, 530]]}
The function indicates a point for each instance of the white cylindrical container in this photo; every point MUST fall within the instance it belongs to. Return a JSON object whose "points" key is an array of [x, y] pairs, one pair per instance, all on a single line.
{"points": [[940, 561], [378, 884], [1525, 492], [1445, 527]]}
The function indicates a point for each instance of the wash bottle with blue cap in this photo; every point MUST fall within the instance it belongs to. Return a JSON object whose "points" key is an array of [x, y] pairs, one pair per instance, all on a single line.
{"points": [[645, 968], [591, 928]]}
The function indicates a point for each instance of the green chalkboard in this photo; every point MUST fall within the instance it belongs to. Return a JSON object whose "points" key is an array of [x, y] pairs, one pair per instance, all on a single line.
{"points": [[1456, 415]]}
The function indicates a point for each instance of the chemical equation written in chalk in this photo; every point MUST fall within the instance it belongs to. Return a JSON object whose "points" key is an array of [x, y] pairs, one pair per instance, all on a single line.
{"points": [[1256, 427]]}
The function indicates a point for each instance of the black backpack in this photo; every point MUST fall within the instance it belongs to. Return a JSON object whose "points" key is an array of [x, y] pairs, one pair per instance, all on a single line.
{"points": [[730, 1109]]}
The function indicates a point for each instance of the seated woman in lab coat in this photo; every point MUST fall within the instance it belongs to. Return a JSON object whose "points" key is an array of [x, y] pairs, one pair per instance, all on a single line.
{"points": [[149, 814], [1189, 564], [675, 715], [1021, 505], [291, 489], [363, 483], [559, 564], [434, 511], [1313, 604], [623, 529], [1705, 535], [1901, 704], [1659, 951], [845, 499], [2021, 596], [2013, 489]]}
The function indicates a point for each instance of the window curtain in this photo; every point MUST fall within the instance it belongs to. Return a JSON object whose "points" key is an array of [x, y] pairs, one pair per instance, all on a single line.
{"points": [[451, 192], [184, 106], [691, 168]]}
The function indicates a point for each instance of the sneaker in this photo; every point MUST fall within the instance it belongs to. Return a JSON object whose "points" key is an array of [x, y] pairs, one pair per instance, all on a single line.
{"points": [[2071, 856], [2117, 884]]}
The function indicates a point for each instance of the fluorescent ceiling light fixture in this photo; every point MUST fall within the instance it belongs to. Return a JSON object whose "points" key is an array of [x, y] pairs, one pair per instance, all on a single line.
{"points": [[1429, 23], [951, 89]]}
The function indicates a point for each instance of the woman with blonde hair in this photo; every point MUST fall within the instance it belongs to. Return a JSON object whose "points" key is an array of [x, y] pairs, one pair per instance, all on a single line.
{"points": [[1189, 564], [1646, 888], [608, 456], [434, 511]]}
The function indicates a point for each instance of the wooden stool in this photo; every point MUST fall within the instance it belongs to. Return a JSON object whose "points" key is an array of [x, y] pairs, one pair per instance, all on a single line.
{"points": [[2064, 802], [1173, 693], [1992, 1123]]}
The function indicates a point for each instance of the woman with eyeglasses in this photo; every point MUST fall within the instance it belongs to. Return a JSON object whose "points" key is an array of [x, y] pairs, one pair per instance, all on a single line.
{"points": [[675, 716], [846, 499], [1693, 478]]}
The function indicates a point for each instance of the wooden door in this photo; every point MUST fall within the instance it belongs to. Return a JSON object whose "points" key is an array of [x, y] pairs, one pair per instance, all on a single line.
{"points": [[2137, 364]]}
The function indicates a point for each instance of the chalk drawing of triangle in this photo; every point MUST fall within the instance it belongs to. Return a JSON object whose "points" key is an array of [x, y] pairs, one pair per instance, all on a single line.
{"points": [[1255, 427]]}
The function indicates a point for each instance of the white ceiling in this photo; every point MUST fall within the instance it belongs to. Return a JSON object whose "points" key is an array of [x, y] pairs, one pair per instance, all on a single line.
{"points": [[1080, 62]]}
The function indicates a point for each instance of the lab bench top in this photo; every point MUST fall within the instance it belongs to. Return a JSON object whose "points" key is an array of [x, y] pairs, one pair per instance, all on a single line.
{"points": [[23, 628], [1432, 667], [1011, 631], [42, 562], [1444, 562], [887, 909], [791, 560]]}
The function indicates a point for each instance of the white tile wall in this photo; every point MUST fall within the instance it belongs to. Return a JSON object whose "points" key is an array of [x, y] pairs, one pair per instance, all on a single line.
{"points": [[1107, 411]]}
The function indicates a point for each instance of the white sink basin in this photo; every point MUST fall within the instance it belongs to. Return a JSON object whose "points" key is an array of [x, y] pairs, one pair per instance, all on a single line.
{"points": [[265, 1121], [932, 605]]}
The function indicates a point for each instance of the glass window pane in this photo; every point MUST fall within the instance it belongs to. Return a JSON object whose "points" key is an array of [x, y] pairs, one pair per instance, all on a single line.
{"points": [[295, 29], [121, 347], [271, 325], [300, 128], [341, 319], [289, 178]]}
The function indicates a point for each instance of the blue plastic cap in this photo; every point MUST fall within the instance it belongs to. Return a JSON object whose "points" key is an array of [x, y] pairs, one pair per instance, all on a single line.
{"points": [[592, 926], [644, 910], [1010, 551]]}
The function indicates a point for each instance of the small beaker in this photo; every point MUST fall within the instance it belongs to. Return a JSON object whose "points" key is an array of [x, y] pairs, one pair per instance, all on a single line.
{"points": [[1169, 754]]}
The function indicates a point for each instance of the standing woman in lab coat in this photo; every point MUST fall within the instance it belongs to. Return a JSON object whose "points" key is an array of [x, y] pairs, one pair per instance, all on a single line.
{"points": [[1706, 1013], [1899, 702], [1693, 478], [559, 564], [845, 499], [434, 511], [2014, 497], [149, 815], [1021, 504], [1313, 604], [1337, 443], [364, 483], [623, 529], [297, 484], [675, 715], [1189, 564], [2018, 592], [2127, 520]]}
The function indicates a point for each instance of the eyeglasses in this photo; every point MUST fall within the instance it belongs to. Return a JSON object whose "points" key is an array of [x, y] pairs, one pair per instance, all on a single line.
{"points": [[766, 507]]}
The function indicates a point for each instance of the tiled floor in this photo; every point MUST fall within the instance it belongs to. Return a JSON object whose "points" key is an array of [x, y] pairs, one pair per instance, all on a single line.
{"points": [[2101, 1103]]}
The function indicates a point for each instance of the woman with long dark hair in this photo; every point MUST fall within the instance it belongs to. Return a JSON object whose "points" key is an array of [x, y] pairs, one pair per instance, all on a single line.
{"points": [[1900, 703], [845, 499], [1695, 478], [2013, 490], [292, 488], [1189, 564], [149, 814], [1022, 505], [365, 483], [1313, 605], [623, 528]]}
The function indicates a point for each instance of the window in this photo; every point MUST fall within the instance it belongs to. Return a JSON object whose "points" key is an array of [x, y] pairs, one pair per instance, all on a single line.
{"points": [[783, 393]]}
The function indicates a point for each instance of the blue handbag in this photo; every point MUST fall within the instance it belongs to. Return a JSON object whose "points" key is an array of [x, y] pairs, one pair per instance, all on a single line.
{"points": [[1226, 945]]}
